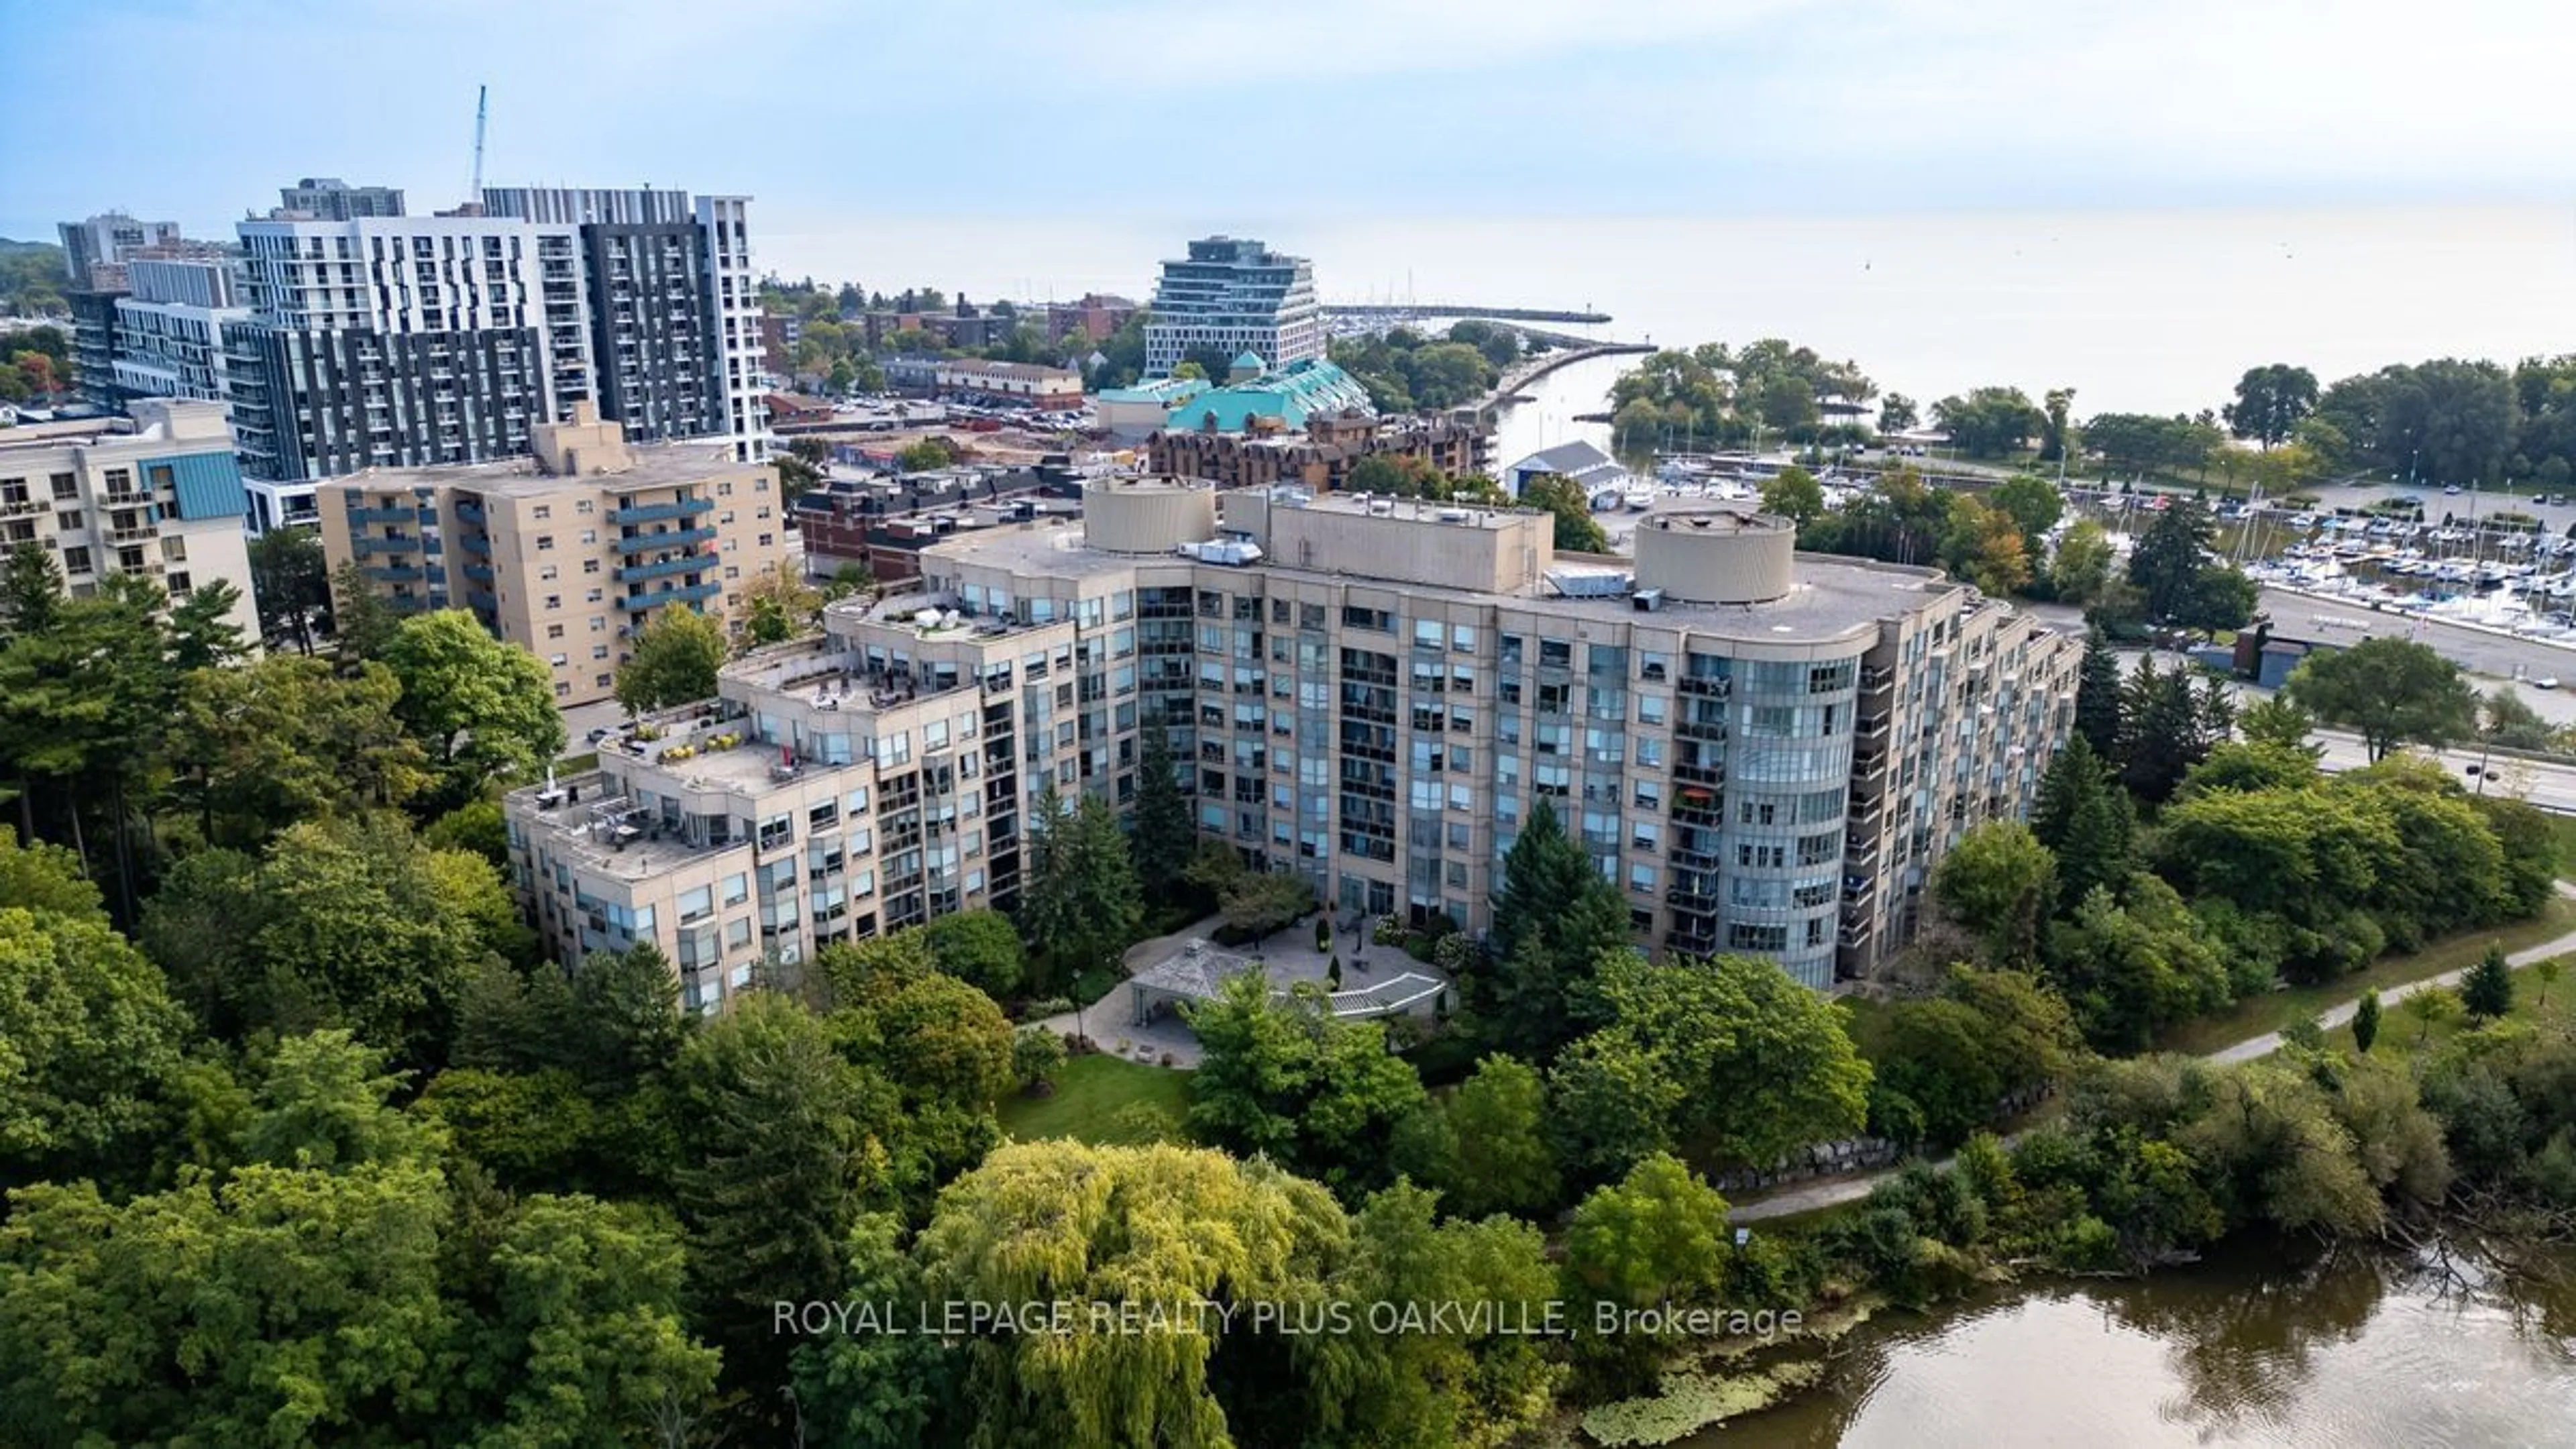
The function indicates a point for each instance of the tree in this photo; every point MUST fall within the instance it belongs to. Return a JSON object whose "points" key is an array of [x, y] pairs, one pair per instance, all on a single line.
{"points": [[2486, 991], [1060, 1221], [1165, 836], [94, 1039], [585, 1326], [1989, 422], [341, 923], [2053, 439], [1553, 918], [1080, 903], [1500, 1160], [2431, 1006], [2171, 564], [1794, 494], [927, 456], [1577, 531], [938, 1038], [362, 624], [775, 606], [1763, 1063], [2279, 722], [1980, 544], [2032, 503], [2098, 695], [201, 631], [2167, 727], [1288, 1079], [485, 710], [1656, 1238], [1897, 414], [2513, 724], [980, 948], [2084, 818], [1612, 1103], [785, 1147], [2388, 690], [1259, 903], [264, 745], [2365, 1022], [1996, 882], [290, 583], [674, 662], [2270, 402]]}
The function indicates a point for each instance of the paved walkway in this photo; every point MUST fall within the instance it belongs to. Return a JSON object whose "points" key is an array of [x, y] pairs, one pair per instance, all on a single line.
{"points": [[1835, 1191]]}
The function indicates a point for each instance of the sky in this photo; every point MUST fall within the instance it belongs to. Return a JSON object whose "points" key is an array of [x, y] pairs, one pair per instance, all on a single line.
{"points": [[1169, 118]]}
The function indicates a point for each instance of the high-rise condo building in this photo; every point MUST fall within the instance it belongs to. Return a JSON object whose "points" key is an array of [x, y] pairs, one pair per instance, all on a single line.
{"points": [[1764, 752], [328, 198], [392, 341], [402, 342], [566, 552], [1231, 296], [674, 307], [156, 493], [105, 241]]}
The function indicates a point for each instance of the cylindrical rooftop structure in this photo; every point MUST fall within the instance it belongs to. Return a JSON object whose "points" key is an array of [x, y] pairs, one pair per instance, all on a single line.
{"points": [[1716, 555], [1147, 515]]}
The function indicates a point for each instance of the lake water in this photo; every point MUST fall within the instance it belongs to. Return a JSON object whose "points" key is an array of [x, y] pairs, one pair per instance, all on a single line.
{"points": [[2354, 1348], [2138, 311]]}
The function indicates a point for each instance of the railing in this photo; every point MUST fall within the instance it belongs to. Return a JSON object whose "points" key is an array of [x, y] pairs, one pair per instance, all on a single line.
{"points": [[686, 594], [656, 512], [475, 543], [362, 516], [395, 573], [365, 546], [685, 563], [668, 538], [479, 572]]}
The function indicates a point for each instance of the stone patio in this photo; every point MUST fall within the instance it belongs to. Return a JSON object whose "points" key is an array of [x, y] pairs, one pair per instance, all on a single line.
{"points": [[1167, 967]]}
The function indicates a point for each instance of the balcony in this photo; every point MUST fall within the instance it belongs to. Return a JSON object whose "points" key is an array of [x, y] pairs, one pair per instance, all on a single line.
{"points": [[365, 546], [667, 538], [468, 511], [657, 512], [652, 599], [395, 573], [480, 573], [361, 517], [475, 543], [687, 563]]}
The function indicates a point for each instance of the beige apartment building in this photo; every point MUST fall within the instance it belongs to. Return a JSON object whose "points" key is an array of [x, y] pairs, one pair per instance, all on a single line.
{"points": [[568, 551], [156, 492], [1767, 752]]}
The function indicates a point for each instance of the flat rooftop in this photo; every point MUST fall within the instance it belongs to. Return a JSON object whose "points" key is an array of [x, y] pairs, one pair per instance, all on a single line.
{"points": [[579, 816], [657, 465], [1831, 596]]}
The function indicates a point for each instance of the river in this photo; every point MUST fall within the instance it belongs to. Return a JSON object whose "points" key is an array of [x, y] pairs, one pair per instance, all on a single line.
{"points": [[2258, 1347]]}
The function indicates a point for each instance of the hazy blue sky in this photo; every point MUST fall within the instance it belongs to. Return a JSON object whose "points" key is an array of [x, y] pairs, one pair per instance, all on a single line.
{"points": [[1209, 115]]}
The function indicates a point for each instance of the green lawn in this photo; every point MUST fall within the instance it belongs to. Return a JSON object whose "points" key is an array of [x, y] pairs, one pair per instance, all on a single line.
{"points": [[1092, 1099], [2274, 1010], [2564, 827], [2400, 1032]]}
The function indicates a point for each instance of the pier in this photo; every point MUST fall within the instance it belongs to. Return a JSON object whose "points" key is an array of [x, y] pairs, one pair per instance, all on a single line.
{"points": [[1428, 311]]}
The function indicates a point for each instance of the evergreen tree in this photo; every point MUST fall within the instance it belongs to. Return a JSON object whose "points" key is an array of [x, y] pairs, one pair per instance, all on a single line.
{"points": [[1553, 917], [2165, 729], [1165, 837], [2085, 818], [2487, 990], [2365, 1022], [2097, 696], [1081, 903]]}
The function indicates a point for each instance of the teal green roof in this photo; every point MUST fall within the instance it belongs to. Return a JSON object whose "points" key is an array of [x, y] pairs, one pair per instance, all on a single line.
{"points": [[1293, 394], [1169, 391], [1248, 358]]}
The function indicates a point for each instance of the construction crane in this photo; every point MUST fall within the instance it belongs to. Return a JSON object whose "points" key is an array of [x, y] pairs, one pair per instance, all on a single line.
{"points": [[482, 110]]}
